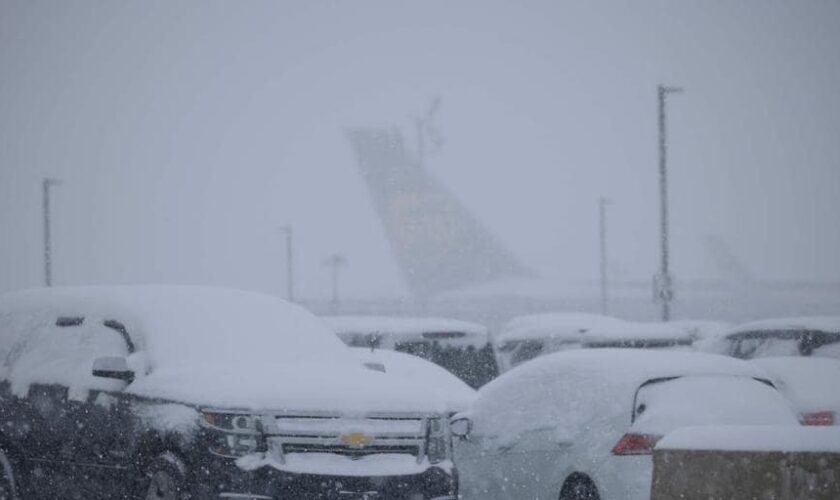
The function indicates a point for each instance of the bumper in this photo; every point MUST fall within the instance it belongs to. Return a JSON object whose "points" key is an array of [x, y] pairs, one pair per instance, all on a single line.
{"points": [[226, 480]]}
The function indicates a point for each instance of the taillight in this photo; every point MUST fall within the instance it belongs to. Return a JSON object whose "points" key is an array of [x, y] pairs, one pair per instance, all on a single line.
{"points": [[636, 444], [818, 418]]}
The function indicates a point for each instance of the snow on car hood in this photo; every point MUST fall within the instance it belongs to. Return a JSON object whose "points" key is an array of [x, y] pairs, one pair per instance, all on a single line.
{"points": [[330, 386], [454, 392]]}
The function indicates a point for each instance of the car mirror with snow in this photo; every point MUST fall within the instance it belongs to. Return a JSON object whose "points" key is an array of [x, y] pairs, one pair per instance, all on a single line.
{"points": [[113, 367], [460, 427]]}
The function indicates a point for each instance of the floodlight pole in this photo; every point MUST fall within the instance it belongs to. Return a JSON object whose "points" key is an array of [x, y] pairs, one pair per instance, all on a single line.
{"points": [[290, 277], [335, 263], [664, 292], [602, 219], [46, 184]]}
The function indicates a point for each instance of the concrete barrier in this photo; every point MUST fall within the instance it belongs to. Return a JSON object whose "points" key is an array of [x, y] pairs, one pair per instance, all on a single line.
{"points": [[745, 475], [680, 472]]}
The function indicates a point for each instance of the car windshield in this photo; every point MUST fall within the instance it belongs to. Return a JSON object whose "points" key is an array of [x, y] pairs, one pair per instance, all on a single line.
{"points": [[762, 344]]}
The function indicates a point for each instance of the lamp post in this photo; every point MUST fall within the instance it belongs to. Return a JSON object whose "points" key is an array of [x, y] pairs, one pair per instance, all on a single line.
{"points": [[286, 230], [602, 225], [663, 282], [46, 184], [335, 263]]}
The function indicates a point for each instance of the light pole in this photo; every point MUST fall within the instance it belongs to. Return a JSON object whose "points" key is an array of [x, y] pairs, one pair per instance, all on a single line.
{"points": [[46, 184], [664, 281], [602, 224], [335, 263], [290, 277]]}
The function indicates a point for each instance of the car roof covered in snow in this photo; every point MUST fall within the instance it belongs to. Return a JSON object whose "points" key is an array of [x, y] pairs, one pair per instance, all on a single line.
{"points": [[172, 320], [591, 329], [587, 388], [828, 324], [408, 329], [625, 368], [554, 324], [207, 346], [457, 395], [630, 332]]}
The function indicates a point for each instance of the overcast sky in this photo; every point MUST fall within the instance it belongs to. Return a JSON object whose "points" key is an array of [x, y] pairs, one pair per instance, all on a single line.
{"points": [[186, 132]]}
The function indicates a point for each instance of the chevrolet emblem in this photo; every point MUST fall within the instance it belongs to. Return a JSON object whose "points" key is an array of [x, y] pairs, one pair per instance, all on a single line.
{"points": [[356, 440]]}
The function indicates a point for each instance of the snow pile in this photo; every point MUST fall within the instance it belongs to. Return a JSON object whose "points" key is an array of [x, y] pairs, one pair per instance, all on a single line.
{"points": [[355, 330], [811, 384], [754, 438], [456, 394], [204, 346]]}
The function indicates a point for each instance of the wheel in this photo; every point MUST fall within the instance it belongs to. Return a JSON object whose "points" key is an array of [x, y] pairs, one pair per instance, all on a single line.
{"points": [[8, 484], [579, 487], [164, 479]]}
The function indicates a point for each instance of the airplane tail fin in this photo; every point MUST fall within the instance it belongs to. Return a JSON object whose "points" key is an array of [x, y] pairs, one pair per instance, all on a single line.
{"points": [[438, 244]]}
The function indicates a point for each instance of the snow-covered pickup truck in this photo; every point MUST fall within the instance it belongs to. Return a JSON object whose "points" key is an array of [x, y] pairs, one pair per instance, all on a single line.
{"points": [[182, 392]]}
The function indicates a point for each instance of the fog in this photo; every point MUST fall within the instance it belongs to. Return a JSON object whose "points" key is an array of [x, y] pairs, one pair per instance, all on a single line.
{"points": [[186, 133]]}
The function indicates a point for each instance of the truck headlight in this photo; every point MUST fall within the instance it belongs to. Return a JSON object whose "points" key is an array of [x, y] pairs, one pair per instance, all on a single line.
{"points": [[232, 435], [234, 445], [437, 443], [241, 422]]}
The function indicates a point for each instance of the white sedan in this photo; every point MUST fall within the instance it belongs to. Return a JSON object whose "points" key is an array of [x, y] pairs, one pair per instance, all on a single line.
{"points": [[581, 425]]}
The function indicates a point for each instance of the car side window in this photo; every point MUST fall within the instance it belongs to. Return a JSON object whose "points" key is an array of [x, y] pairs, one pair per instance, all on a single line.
{"points": [[62, 352]]}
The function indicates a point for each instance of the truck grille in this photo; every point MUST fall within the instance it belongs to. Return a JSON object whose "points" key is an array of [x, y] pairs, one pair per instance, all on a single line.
{"points": [[348, 451], [349, 437]]}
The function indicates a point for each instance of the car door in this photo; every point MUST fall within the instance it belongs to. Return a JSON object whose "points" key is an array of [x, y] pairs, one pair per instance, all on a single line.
{"points": [[480, 470], [530, 460], [71, 418]]}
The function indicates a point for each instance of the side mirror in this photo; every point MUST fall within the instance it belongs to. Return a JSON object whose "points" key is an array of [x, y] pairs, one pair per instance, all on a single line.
{"points": [[460, 427], [113, 367]]}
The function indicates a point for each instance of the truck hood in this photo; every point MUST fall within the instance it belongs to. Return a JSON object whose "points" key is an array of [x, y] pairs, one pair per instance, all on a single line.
{"points": [[341, 387]]}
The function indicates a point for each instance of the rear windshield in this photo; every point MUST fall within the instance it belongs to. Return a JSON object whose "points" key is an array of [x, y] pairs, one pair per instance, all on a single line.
{"points": [[664, 405]]}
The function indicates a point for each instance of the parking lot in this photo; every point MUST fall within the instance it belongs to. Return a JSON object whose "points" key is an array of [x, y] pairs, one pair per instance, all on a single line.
{"points": [[419, 250]]}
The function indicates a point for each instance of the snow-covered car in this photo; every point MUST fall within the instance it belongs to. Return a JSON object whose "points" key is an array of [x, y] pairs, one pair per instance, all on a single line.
{"points": [[176, 392], [461, 347], [582, 424], [811, 384], [527, 337], [413, 370], [816, 336]]}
